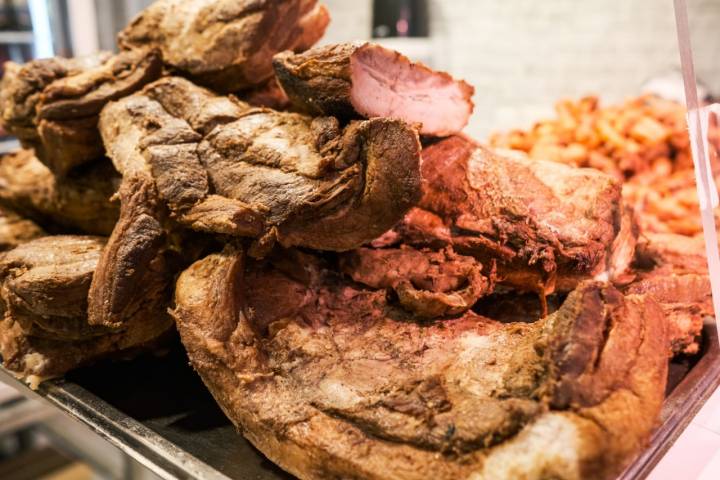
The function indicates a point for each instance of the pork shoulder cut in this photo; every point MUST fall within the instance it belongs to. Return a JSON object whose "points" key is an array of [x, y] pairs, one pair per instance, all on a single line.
{"points": [[194, 160], [52, 104], [351, 80], [223, 167], [330, 379], [78, 202], [226, 45]]}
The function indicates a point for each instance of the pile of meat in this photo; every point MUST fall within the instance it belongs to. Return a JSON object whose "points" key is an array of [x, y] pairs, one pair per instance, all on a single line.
{"points": [[366, 291]]}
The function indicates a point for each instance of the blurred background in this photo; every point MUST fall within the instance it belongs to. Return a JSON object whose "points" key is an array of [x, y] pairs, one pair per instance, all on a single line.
{"points": [[521, 56]]}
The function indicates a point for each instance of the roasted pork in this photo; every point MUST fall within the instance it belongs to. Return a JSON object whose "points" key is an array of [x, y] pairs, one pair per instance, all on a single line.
{"points": [[330, 379], [351, 80], [226, 45]]}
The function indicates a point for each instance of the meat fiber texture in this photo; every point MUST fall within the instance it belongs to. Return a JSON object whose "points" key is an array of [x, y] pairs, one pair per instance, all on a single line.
{"points": [[193, 160], [52, 105], [226, 45], [44, 331], [79, 202], [223, 167], [331, 378], [548, 226], [351, 80], [672, 269]]}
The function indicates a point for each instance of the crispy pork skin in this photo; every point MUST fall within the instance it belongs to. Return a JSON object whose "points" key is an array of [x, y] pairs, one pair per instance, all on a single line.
{"points": [[330, 379], [43, 298], [226, 45], [223, 167], [548, 226], [364, 79], [80, 201], [52, 105]]}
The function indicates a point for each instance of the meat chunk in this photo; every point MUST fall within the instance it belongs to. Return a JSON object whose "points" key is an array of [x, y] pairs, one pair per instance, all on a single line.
{"points": [[222, 167], [672, 269], [45, 284], [686, 300], [43, 297], [193, 160], [15, 229], [547, 225], [429, 284], [331, 380], [671, 253], [364, 79], [78, 202], [52, 105], [226, 45], [142, 257]]}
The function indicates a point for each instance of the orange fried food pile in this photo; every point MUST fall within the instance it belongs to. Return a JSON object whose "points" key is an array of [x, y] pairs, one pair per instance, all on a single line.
{"points": [[643, 142]]}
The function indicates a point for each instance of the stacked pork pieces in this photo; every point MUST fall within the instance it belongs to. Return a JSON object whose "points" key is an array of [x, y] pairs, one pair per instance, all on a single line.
{"points": [[366, 292]]}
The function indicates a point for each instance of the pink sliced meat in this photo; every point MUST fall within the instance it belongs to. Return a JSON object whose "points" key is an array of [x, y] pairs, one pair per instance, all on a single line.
{"points": [[348, 80]]}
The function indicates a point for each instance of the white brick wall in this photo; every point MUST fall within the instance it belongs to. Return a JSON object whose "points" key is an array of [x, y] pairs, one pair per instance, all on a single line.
{"points": [[522, 55]]}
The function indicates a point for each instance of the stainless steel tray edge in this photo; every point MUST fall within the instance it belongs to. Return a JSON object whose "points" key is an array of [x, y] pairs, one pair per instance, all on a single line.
{"points": [[139, 442]]}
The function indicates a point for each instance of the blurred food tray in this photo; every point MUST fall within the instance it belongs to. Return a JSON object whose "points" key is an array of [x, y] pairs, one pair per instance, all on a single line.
{"points": [[157, 410]]}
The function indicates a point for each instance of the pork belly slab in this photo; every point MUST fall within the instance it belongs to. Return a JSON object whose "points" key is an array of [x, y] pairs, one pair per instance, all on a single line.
{"points": [[548, 226], [44, 332], [331, 378], [226, 45], [362, 79], [52, 104]]}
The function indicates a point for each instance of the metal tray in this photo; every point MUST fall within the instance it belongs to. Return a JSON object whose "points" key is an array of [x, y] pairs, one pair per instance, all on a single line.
{"points": [[157, 410]]}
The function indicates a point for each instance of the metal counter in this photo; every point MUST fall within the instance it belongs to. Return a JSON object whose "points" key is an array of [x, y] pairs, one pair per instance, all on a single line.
{"points": [[157, 410]]}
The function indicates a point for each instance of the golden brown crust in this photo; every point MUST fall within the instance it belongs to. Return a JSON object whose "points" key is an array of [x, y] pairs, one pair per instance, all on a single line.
{"points": [[45, 332], [52, 104], [81, 201], [274, 176], [548, 226], [328, 382], [226, 45]]}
